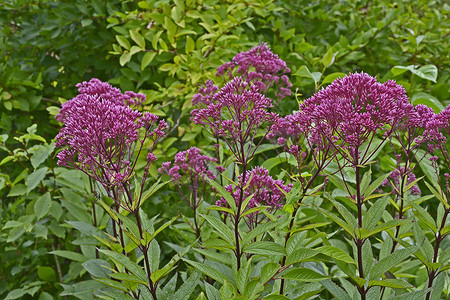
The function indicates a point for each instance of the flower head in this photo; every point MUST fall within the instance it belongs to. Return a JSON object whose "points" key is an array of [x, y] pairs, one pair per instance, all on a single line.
{"points": [[262, 67], [265, 189], [99, 131], [191, 164], [353, 108], [235, 113]]}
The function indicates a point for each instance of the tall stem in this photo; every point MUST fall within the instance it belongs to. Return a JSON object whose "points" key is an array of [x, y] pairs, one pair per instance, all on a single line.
{"points": [[144, 250], [359, 242], [433, 274], [238, 216]]}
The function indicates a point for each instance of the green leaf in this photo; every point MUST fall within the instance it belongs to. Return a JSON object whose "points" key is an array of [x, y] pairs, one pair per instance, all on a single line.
{"points": [[276, 297], [207, 270], [81, 289], [428, 72], [391, 261], [159, 274], [258, 231], [70, 255], [268, 271], [336, 253], [222, 229], [424, 216], [375, 213], [40, 154], [211, 292], [332, 77], [304, 275], [46, 273], [42, 205], [226, 195], [339, 221], [385, 226], [14, 294], [190, 45], [438, 194], [335, 290], [147, 59], [301, 254], [97, 267], [243, 275], [188, 287], [265, 248], [137, 38], [428, 100], [124, 58], [374, 185], [123, 41], [35, 178], [126, 262], [127, 278], [392, 283], [149, 237], [222, 209], [328, 58]]}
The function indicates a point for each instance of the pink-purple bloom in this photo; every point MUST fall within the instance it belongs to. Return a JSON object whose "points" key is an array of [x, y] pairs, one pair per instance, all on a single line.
{"points": [[265, 190], [353, 108], [235, 114], [262, 67], [192, 165], [100, 129], [397, 175]]}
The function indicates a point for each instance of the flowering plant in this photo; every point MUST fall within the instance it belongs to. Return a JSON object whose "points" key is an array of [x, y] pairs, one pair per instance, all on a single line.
{"points": [[322, 226]]}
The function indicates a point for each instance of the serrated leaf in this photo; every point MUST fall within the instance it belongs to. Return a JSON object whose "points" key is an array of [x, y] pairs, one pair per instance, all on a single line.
{"points": [[127, 278], [222, 209], [265, 248], [375, 213], [335, 290], [385, 226], [257, 232], [374, 185], [97, 267], [336, 253], [126, 262], [225, 232], [186, 289], [391, 261], [392, 283], [226, 195], [304, 275], [70, 255], [207, 270], [301, 254]]}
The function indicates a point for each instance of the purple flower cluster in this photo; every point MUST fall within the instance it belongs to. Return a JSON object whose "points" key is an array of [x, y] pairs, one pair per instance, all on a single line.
{"points": [[395, 177], [262, 67], [191, 164], [100, 129], [356, 106], [436, 129], [265, 190], [235, 113]]}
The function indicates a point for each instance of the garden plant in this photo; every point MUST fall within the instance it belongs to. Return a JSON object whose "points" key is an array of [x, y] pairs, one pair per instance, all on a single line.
{"points": [[225, 150]]}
